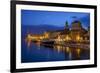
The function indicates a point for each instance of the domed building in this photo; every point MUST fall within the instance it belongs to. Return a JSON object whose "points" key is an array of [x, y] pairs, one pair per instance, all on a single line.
{"points": [[77, 31], [74, 34], [76, 25]]}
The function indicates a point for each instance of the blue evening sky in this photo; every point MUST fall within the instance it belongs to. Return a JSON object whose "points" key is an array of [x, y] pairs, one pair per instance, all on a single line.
{"points": [[36, 17]]}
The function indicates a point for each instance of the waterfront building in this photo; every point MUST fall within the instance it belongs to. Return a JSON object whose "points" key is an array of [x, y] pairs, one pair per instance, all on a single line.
{"points": [[75, 34]]}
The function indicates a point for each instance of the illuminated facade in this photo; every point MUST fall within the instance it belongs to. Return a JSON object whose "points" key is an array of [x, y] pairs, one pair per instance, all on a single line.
{"points": [[76, 33]]}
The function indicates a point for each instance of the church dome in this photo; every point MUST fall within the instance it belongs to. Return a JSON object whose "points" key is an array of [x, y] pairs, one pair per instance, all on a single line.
{"points": [[76, 25]]}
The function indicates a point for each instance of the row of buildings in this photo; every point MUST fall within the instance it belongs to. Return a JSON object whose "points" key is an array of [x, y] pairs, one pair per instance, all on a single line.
{"points": [[75, 34]]}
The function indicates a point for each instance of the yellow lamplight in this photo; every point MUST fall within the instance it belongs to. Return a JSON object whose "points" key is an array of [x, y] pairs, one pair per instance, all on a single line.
{"points": [[58, 38], [46, 35], [67, 37], [78, 38], [58, 48], [67, 49]]}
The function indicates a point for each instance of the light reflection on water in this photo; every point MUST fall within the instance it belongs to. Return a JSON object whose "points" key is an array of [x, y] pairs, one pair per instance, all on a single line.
{"points": [[42, 53], [69, 51]]}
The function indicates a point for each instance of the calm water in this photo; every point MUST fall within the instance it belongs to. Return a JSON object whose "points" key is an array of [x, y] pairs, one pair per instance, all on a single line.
{"points": [[37, 53]]}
